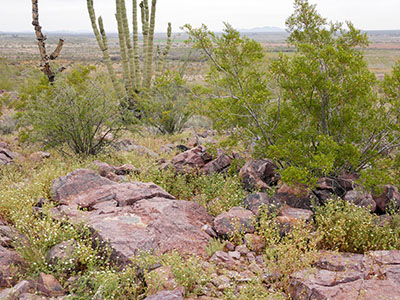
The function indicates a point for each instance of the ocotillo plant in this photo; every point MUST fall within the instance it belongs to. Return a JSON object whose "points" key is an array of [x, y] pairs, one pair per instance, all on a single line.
{"points": [[41, 38], [136, 77]]}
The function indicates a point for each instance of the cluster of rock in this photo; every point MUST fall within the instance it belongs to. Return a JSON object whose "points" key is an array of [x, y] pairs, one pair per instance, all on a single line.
{"points": [[132, 217]]}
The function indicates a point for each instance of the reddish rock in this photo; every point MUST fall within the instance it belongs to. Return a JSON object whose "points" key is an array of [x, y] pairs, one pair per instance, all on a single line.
{"points": [[132, 217], [237, 219], [348, 276], [17, 291], [221, 257], [219, 165], [39, 156], [49, 285], [87, 190], [348, 181], [390, 195], [295, 214], [361, 198], [259, 174], [105, 169], [254, 202], [188, 161], [254, 242], [330, 184], [10, 265], [177, 294], [6, 156], [129, 145], [297, 197]]}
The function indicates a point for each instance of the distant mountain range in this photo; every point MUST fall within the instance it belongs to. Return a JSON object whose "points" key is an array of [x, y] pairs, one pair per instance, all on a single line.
{"points": [[263, 29]]}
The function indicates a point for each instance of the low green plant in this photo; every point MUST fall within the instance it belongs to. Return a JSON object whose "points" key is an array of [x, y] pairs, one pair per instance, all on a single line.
{"points": [[73, 111], [214, 245], [189, 272], [167, 105], [346, 227]]}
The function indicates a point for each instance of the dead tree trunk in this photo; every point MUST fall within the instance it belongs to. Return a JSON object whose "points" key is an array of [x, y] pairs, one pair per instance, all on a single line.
{"points": [[45, 59]]}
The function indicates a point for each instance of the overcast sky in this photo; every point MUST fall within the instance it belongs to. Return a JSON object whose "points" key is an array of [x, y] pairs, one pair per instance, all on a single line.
{"points": [[71, 15]]}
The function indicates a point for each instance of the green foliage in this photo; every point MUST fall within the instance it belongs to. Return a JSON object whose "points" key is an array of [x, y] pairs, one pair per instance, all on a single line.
{"points": [[188, 272], [237, 95], [214, 245], [329, 109], [74, 111], [348, 228], [167, 106]]}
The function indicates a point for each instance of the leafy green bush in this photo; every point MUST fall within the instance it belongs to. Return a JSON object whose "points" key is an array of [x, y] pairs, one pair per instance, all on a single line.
{"points": [[349, 228], [74, 111], [167, 107]]}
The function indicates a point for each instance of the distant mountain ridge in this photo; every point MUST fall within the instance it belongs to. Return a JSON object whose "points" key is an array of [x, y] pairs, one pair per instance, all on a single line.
{"points": [[263, 29]]}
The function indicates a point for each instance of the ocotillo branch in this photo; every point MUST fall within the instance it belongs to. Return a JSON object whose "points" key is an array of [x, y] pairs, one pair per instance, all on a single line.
{"points": [[45, 59]]}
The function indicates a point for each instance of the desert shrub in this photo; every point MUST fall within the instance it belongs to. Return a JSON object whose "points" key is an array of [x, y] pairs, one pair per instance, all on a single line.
{"points": [[285, 254], [236, 95], [188, 272], [74, 111], [8, 123], [349, 228], [167, 105]]}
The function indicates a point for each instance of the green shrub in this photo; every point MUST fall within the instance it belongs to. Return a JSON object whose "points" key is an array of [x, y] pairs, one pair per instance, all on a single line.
{"points": [[167, 106], [74, 111], [349, 228]]}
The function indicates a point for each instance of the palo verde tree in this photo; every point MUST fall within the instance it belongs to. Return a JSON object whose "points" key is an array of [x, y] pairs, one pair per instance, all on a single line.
{"points": [[331, 117], [137, 76]]}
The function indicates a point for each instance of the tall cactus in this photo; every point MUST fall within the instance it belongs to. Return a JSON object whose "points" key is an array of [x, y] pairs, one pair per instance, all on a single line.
{"points": [[136, 78]]}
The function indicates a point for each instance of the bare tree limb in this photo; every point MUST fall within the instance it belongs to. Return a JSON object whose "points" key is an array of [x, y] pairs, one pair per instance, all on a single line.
{"points": [[41, 38]]}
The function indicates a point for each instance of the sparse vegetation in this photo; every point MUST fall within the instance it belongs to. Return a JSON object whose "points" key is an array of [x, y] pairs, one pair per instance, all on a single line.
{"points": [[318, 110]]}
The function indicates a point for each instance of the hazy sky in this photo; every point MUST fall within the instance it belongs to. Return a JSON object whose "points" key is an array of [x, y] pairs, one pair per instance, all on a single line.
{"points": [[71, 15]]}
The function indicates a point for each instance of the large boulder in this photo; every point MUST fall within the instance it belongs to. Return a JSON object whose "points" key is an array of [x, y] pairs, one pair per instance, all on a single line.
{"points": [[349, 276], [133, 216], [259, 174]]}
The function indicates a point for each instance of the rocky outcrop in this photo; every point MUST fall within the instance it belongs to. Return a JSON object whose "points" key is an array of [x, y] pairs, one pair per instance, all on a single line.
{"points": [[133, 216], [6, 156], [343, 276], [259, 174], [129, 145], [296, 197]]}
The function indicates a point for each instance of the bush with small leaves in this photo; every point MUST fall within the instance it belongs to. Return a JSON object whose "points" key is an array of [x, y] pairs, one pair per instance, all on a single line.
{"points": [[74, 111]]}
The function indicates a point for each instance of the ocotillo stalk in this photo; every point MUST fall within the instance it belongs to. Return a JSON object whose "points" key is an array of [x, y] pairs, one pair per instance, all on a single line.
{"points": [[45, 59], [150, 46], [103, 45], [123, 48], [136, 44]]}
